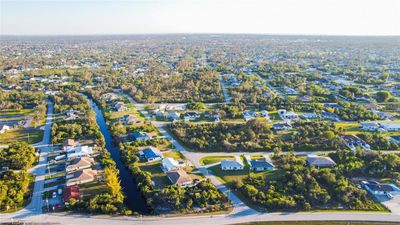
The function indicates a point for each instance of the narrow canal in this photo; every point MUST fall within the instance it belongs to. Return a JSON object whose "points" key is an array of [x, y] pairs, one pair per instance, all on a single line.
{"points": [[134, 200]]}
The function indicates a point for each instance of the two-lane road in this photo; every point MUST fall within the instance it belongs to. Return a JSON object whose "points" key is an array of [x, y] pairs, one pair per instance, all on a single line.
{"points": [[36, 204]]}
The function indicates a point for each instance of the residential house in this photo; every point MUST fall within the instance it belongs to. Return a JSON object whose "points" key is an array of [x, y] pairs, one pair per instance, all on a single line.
{"points": [[232, 164], [71, 114], [190, 115], [128, 119], [179, 177], [320, 161], [173, 116], [261, 165], [290, 91], [288, 115], [71, 192], [369, 126], [384, 115], [377, 188], [248, 115], [140, 136], [108, 97], [391, 127], [79, 163], [69, 143], [151, 154], [81, 177], [159, 113], [78, 151], [264, 113], [4, 128], [281, 126], [169, 164], [351, 141], [329, 116], [312, 115], [395, 139], [120, 107]]}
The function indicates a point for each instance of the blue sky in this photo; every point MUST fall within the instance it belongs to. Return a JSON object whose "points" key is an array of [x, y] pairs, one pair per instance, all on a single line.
{"points": [[329, 17]]}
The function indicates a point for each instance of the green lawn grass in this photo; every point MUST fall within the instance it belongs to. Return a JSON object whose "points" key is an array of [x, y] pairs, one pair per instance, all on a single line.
{"points": [[93, 188], [30, 135], [174, 154], [158, 176], [213, 159]]}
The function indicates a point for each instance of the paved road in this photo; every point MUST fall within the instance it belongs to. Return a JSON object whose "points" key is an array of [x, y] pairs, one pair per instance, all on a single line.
{"points": [[232, 218], [35, 206], [278, 93], [228, 98]]}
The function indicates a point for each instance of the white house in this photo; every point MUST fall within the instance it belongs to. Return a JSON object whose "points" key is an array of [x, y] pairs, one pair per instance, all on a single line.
{"points": [[169, 164], [391, 126], [264, 113], [288, 115], [78, 151], [4, 128], [311, 115], [173, 115], [369, 126], [281, 126], [235, 164]]}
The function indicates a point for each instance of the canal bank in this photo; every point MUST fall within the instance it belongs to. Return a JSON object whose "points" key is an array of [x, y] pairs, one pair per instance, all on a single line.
{"points": [[133, 198]]}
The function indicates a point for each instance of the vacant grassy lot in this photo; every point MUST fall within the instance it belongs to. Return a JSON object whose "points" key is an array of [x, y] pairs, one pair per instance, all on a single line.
{"points": [[93, 188], [30, 135], [174, 154]]}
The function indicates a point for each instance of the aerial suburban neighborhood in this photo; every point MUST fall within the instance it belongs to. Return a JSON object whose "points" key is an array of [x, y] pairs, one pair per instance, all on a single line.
{"points": [[199, 129]]}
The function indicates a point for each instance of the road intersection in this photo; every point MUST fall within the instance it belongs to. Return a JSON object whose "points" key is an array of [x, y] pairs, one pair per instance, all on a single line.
{"points": [[240, 214]]}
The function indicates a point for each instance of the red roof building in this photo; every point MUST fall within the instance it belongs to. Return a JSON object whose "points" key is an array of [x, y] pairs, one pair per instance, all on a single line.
{"points": [[71, 192]]}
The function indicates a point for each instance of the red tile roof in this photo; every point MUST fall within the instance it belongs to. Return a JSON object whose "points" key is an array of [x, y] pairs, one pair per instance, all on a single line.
{"points": [[71, 192]]}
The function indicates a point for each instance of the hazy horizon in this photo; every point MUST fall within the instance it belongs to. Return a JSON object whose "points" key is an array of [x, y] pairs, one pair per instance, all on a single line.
{"points": [[140, 17]]}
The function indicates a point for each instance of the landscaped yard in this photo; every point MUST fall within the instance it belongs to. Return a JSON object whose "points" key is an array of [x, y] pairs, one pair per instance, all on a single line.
{"points": [[159, 178]]}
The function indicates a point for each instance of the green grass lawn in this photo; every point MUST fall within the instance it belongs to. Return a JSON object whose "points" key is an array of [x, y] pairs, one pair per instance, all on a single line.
{"points": [[158, 176], [93, 188], [6, 115], [213, 159], [30, 135], [174, 154], [55, 183]]}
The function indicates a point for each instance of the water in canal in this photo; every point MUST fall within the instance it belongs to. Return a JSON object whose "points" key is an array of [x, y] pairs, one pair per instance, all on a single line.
{"points": [[134, 200]]}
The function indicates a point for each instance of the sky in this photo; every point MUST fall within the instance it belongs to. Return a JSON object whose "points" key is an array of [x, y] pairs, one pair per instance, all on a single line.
{"points": [[314, 17]]}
